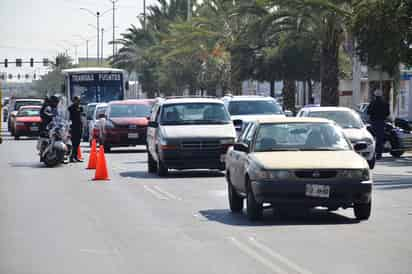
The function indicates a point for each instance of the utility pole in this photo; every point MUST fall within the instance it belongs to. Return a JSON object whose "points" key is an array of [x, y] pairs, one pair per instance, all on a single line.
{"points": [[97, 45], [144, 14], [189, 10], [114, 25], [101, 58]]}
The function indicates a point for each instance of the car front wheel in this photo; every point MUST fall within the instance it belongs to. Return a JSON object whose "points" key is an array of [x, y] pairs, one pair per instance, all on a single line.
{"points": [[362, 211], [254, 210], [235, 201], [151, 163], [162, 170]]}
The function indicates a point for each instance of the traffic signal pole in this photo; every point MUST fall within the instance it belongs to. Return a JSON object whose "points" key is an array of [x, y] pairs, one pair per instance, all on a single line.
{"points": [[1, 113]]}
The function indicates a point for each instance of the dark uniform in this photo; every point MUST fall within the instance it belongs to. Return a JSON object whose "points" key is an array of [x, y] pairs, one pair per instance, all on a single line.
{"points": [[378, 111], [76, 128]]}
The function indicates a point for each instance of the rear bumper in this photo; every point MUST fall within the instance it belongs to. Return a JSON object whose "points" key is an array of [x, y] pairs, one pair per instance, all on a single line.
{"points": [[125, 138], [24, 131], [294, 193]]}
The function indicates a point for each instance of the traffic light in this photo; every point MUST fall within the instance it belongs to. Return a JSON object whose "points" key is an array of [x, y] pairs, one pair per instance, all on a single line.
{"points": [[18, 76], [18, 62], [6, 63], [31, 62], [57, 61], [34, 76], [45, 62], [3, 77]]}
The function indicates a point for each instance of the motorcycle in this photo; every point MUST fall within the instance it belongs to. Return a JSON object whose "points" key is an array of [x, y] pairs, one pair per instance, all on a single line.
{"points": [[397, 140], [56, 147]]}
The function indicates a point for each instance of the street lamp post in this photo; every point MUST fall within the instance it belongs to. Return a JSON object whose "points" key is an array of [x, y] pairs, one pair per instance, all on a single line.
{"points": [[114, 24], [87, 47], [101, 58], [97, 16]]}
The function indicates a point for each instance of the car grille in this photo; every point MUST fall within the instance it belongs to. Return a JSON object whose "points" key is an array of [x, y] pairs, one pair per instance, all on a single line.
{"points": [[316, 174], [201, 145]]}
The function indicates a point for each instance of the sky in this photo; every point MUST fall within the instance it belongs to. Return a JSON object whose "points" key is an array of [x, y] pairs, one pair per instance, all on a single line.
{"points": [[43, 28]]}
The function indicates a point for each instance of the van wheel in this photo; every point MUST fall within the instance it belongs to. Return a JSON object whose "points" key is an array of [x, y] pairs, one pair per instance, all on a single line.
{"points": [[151, 163], [254, 210], [362, 211], [235, 201], [162, 170], [16, 137]]}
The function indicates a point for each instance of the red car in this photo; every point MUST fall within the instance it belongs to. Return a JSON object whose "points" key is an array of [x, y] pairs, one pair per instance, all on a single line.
{"points": [[125, 123], [27, 122]]}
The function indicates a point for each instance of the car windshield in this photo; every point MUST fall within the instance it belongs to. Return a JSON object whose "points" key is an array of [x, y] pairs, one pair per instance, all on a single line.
{"points": [[29, 112], [19, 104], [194, 113], [90, 111], [124, 110], [345, 119], [256, 107], [300, 137]]}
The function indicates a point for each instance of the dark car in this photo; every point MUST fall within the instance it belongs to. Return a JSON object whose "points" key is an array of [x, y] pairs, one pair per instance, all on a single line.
{"points": [[125, 123], [27, 122]]}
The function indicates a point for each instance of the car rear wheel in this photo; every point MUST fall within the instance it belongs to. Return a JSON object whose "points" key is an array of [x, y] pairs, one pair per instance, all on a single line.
{"points": [[16, 137], [162, 170], [235, 201], [151, 163], [254, 210], [362, 211]]}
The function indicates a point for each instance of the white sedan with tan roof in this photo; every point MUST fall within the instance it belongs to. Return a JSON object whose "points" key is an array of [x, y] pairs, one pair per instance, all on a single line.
{"points": [[304, 162]]}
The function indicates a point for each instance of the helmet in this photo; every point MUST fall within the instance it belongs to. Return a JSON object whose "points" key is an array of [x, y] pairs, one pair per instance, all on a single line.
{"points": [[54, 99]]}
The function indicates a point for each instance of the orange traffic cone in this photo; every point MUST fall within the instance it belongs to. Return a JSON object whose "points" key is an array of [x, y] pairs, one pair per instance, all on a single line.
{"points": [[79, 154], [101, 168], [93, 156]]}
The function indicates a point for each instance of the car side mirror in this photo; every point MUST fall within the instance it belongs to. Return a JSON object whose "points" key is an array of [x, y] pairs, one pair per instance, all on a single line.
{"points": [[288, 113], [153, 124], [241, 147], [102, 116], [360, 146], [238, 124]]}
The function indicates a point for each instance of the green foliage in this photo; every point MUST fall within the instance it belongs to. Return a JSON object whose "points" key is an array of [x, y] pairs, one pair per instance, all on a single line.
{"points": [[383, 32]]}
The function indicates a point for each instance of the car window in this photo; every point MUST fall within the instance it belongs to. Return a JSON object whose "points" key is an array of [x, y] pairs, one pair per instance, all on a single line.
{"points": [[345, 119], [249, 135], [254, 107], [300, 136], [245, 130], [129, 110], [194, 113], [100, 110], [29, 112]]}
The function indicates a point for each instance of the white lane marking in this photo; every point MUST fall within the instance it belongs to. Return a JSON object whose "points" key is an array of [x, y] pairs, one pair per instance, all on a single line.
{"points": [[278, 257], [243, 247], [158, 195], [166, 193]]}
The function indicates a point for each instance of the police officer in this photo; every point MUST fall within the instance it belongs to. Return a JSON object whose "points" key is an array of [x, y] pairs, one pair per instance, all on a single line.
{"points": [[75, 111], [378, 111], [47, 112]]}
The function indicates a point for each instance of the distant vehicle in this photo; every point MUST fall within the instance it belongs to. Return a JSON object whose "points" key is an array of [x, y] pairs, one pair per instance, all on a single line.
{"points": [[27, 122], [95, 85], [94, 124], [89, 112], [5, 107], [188, 133], [297, 162], [125, 123], [248, 108], [14, 107], [353, 127]]}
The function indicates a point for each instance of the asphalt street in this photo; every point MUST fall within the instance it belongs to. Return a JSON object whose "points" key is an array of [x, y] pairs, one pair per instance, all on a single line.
{"points": [[57, 220]]}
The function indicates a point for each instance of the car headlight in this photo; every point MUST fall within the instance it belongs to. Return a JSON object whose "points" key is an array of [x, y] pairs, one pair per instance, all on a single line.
{"points": [[227, 141], [359, 174], [266, 175]]}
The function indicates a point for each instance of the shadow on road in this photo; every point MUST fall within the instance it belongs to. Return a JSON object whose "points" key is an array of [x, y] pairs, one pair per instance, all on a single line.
{"points": [[393, 182], [27, 164], [125, 151], [312, 217], [173, 174]]}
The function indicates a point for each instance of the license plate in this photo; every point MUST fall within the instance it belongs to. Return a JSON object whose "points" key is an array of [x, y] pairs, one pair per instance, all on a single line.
{"points": [[320, 191], [133, 135], [34, 128]]}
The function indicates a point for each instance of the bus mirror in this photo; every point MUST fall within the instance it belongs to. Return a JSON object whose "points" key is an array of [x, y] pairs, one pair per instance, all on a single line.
{"points": [[127, 85]]}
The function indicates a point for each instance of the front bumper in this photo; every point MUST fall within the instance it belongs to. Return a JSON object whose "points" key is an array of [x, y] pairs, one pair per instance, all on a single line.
{"points": [[180, 159], [342, 194]]}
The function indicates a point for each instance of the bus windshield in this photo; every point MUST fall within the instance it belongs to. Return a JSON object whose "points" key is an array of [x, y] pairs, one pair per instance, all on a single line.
{"points": [[96, 87]]}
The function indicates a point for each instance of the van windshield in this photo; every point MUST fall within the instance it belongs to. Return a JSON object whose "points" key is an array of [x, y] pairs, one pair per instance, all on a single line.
{"points": [[194, 113]]}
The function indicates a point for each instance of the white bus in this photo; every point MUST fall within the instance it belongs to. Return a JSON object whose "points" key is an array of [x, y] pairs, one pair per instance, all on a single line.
{"points": [[95, 85]]}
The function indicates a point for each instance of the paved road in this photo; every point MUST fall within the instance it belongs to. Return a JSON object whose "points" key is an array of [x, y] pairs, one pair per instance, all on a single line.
{"points": [[59, 221]]}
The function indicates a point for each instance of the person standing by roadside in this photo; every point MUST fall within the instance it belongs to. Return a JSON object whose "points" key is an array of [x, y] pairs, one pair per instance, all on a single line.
{"points": [[75, 111], [378, 112]]}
